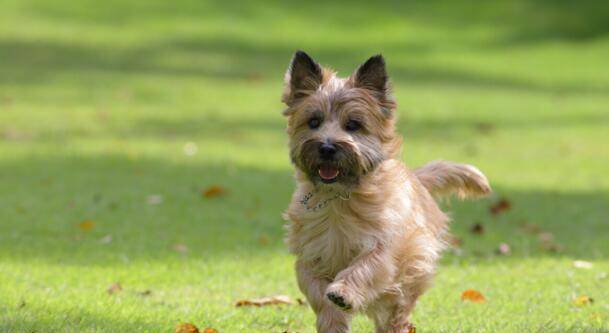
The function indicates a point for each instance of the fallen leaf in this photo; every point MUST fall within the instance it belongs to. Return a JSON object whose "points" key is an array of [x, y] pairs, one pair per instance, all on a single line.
{"points": [[411, 329], [547, 243], [583, 300], [106, 239], [477, 229], [180, 248], [470, 149], [530, 228], [210, 330], [473, 296], [582, 264], [552, 247], [154, 199], [454, 241], [186, 328], [145, 293], [263, 240], [546, 237], [272, 300], [254, 76], [86, 225], [500, 206], [504, 249], [213, 191], [597, 317], [484, 127], [190, 148], [114, 288], [14, 134], [113, 206]]}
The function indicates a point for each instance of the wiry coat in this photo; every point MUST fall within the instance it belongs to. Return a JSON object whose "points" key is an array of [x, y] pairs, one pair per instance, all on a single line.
{"points": [[371, 244]]}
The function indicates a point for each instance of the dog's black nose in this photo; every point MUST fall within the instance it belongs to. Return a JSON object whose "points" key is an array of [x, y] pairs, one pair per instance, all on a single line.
{"points": [[327, 151]]}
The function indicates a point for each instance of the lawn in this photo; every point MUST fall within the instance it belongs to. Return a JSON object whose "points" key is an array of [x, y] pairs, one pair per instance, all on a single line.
{"points": [[115, 117]]}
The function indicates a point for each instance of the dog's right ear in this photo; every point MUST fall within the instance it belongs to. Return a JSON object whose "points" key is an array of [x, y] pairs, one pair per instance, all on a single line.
{"points": [[303, 77]]}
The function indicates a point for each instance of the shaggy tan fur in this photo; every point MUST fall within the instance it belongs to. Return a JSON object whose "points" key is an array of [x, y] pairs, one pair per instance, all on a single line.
{"points": [[368, 241]]}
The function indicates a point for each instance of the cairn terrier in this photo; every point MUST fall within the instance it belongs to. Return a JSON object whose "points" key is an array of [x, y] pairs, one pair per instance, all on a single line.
{"points": [[366, 230]]}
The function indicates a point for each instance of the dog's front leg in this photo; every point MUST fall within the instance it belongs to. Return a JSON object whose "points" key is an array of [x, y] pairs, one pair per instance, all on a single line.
{"points": [[368, 275], [329, 318]]}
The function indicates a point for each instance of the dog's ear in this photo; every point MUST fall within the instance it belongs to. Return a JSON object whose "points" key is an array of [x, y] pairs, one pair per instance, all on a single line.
{"points": [[302, 78], [372, 75]]}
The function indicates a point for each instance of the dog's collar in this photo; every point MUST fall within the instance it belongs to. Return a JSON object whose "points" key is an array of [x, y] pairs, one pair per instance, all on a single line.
{"points": [[324, 202]]}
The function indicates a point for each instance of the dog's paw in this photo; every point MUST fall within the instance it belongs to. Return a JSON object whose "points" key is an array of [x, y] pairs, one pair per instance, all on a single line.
{"points": [[339, 294], [339, 300]]}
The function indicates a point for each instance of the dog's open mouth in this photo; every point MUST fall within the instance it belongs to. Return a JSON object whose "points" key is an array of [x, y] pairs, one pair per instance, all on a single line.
{"points": [[328, 173]]}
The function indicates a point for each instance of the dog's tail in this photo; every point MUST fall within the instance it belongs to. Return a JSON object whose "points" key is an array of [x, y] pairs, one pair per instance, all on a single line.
{"points": [[443, 178]]}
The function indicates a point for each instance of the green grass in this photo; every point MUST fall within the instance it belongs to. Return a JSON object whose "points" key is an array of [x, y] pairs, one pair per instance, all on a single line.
{"points": [[98, 99]]}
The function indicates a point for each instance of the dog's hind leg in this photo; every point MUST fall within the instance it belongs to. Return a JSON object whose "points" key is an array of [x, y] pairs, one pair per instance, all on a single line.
{"points": [[391, 313]]}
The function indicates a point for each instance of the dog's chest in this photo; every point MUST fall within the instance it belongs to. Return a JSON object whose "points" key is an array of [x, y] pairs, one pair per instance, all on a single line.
{"points": [[331, 239]]}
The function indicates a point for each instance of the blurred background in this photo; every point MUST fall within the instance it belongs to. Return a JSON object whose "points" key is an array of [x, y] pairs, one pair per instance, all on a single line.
{"points": [[142, 145]]}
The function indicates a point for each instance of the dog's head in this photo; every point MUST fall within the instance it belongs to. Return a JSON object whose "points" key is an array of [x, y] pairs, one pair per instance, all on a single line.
{"points": [[339, 128]]}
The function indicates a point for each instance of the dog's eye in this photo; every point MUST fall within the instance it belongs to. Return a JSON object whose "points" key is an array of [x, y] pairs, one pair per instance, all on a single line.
{"points": [[353, 125], [314, 123]]}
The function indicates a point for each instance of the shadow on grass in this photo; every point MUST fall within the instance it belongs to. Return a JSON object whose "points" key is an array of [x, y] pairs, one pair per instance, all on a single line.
{"points": [[235, 57], [531, 21], [40, 62], [44, 200]]}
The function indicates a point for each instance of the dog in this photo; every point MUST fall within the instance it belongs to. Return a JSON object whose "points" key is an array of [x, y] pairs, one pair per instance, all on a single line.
{"points": [[366, 231]]}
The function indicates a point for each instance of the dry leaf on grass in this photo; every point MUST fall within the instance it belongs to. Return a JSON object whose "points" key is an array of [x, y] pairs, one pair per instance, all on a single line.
{"points": [[145, 293], [484, 127], [210, 330], [454, 241], [597, 317], [583, 300], [154, 199], [263, 240], [582, 264], [186, 328], [114, 288], [213, 191], [106, 239], [86, 225], [547, 243], [190, 148], [473, 296], [272, 300], [180, 248], [546, 237], [477, 229], [500, 206], [530, 228]]}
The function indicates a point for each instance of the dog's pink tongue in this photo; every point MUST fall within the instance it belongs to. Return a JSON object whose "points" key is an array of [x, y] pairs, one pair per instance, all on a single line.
{"points": [[328, 172]]}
